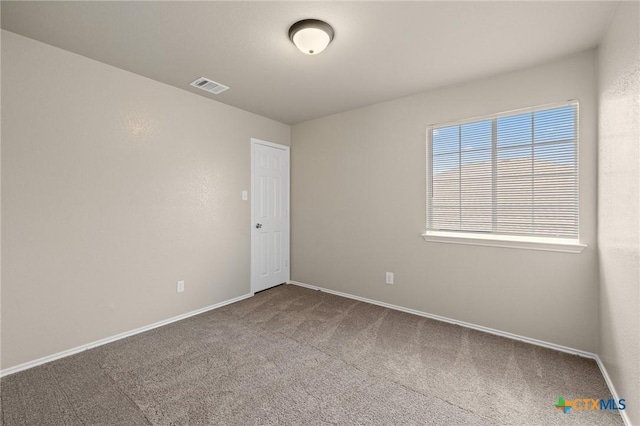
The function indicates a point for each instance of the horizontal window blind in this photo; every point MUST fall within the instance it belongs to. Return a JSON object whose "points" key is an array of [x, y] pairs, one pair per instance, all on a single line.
{"points": [[509, 174]]}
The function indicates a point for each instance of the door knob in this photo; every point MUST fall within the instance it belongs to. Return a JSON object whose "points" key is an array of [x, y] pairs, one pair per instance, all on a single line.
{"points": [[258, 225]]}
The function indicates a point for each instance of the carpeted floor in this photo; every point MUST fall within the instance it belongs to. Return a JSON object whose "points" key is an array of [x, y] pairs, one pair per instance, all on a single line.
{"points": [[291, 355]]}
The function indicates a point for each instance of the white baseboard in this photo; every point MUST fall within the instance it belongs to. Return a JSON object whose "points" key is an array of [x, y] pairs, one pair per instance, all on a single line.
{"points": [[77, 349], [512, 336], [532, 341], [456, 322], [612, 389]]}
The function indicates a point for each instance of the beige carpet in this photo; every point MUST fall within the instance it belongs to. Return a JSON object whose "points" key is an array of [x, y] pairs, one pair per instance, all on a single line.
{"points": [[296, 356]]}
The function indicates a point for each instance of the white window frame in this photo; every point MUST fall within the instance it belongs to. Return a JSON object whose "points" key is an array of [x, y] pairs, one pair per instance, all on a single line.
{"points": [[493, 240]]}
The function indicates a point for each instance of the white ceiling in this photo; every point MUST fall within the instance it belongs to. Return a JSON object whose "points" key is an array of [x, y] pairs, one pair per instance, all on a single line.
{"points": [[381, 50]]}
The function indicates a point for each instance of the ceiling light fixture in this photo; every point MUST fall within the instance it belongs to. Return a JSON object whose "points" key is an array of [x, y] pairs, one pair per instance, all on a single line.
{"points": [[311, 36]]}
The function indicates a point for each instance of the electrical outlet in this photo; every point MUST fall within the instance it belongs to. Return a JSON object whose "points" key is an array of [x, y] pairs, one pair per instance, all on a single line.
{"points": [[389, 277], [245, 195], [180, 287]]}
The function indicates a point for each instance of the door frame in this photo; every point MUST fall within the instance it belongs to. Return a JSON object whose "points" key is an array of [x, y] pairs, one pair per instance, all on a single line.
{"points": [[286, 149]]}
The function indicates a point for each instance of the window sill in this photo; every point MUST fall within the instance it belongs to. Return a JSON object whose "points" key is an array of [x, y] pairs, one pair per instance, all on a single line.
{"points": [[527, 243]]}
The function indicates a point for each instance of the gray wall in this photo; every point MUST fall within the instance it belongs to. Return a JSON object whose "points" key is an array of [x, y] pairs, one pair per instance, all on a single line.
{"points": [[358, 209], [1, 34], [619, 204], [114, 187]]}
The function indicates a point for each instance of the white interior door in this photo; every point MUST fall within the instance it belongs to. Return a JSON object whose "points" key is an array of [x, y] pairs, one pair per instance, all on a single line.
{"points": [[269, 214]]}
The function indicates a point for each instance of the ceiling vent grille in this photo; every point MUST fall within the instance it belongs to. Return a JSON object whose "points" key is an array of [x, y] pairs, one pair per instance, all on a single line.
{"points": [[209, 85]]}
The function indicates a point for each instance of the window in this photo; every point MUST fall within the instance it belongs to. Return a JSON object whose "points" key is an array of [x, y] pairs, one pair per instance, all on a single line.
{"points": [[505, 179]]}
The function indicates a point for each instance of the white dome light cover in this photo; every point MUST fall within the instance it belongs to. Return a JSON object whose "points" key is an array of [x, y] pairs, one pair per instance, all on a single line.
{"points": [[311, 36]]}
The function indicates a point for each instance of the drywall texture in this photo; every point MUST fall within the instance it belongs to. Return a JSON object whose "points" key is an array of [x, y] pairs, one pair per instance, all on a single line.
{"points": [[0, 198], [114, 187], [619, 204], [358, 210]]}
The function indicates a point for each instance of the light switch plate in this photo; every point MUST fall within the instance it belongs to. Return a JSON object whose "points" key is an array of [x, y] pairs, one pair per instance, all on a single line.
{"points": [[389, 278]]}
